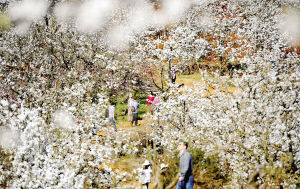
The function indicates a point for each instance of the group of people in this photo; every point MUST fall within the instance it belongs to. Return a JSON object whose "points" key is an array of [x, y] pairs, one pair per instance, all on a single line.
{"points": [[132, 109], [186, 178], [152, 102]]}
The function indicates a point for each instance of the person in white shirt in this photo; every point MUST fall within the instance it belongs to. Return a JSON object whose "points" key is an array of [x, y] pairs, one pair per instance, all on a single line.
{"points": [[130, 103], [111, 115], [146, 175]]}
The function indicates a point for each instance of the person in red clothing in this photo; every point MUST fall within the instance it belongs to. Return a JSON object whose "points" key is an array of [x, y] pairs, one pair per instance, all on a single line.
{"points": [[149, 102]]}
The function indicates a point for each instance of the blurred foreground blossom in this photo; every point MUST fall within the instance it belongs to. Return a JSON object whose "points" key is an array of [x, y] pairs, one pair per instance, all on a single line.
{"points": [[9, 138], [118, 38], [63, 119], [27, 11], [65, 11], [173, 10], [290, 25], [93, 14]]}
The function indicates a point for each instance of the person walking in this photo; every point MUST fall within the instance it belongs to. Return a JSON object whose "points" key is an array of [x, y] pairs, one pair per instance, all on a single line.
{"points": [[134, 108], [186, 179], [111, 115]]}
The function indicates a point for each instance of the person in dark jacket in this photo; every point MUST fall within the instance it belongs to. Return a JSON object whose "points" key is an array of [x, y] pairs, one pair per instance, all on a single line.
{"points": [[186, 179], [173, 75]]}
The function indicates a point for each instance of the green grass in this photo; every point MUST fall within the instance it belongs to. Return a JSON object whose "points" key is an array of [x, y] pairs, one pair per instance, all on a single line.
{"points": [[121, 114], [121, 108], [192, 76], [230, 84], [189, 79]]}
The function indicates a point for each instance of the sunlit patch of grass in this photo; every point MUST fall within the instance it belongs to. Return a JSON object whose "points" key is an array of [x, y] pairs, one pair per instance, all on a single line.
{"points": [[192, 76], [121, 112], [190, 80], [4, 21], [230, 84]]}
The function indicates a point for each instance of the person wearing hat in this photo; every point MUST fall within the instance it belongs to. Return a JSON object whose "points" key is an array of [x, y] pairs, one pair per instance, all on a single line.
{"points": [[160, 177], [146, 175]]}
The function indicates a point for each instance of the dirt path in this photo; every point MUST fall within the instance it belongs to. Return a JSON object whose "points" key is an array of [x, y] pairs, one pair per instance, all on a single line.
{"points": [[123, 126]]}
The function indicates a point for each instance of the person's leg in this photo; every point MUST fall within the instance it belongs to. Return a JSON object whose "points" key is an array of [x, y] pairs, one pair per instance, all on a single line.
{"points": [[190, 183], [109, 121], [136, 119], [113, 121], [180, 185], [132, 120]]}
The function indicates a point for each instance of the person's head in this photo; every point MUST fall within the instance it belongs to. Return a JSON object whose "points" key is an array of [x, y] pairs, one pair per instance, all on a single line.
{"points": [[151, 93], [182, 145], [163, 167], [146, 164]]}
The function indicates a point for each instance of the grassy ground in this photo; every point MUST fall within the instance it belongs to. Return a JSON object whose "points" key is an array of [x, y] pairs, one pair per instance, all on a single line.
{"points": [[190, 80], [121, 109]]}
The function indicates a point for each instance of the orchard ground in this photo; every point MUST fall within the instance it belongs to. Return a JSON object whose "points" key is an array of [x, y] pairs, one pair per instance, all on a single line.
{"points": [[129, 164]]}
